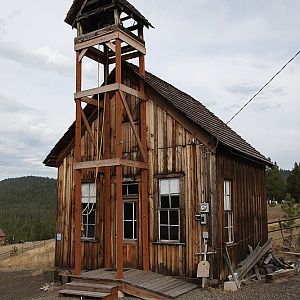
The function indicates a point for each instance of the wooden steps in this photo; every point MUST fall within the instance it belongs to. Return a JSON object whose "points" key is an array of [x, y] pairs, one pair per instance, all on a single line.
{"points": [[101, 284], [90, 289]]}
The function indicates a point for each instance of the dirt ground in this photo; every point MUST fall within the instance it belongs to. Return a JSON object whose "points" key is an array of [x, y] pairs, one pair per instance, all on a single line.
{"points": [[25, 285]]}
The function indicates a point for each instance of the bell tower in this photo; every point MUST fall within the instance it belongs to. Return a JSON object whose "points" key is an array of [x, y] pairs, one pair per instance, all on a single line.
{"points": [[109, 32]]}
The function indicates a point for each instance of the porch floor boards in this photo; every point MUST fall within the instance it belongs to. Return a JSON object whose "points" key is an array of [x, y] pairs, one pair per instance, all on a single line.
{"points": [[165, 286]]}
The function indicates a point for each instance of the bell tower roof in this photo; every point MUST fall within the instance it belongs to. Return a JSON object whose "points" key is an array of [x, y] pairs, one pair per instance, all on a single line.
{"points": [[82, 9]]}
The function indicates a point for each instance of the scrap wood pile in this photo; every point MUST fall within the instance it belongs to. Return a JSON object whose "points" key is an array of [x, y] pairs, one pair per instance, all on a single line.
{"points": [[261, 263]]}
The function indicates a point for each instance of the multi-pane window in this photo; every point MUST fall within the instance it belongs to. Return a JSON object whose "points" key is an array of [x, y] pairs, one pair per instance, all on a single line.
{"points": [[169, 209], [88, 206], [130, 197], [229, 233]]}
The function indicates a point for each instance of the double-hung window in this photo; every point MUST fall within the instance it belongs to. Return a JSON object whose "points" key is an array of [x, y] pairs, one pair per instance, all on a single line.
{"points": [[88, 210], [169, 209], [130, 197], [229, 232]]}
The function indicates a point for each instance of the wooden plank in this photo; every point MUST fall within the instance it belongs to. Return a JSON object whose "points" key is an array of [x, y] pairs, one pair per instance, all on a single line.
{"points": [[144, 173], [88, 128], [92, 101], [270, 278], [107, 173], [98, 90], [83, 293], [96, 41], [82, 54], [97, 164], [119, 169], [77, 173], [96, 55], [131, 41], [133, 126], [132, 92], [141, 293], [111, 46]]}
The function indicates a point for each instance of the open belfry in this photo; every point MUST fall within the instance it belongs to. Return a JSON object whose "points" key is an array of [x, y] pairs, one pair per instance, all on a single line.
{"points": [[103, 37]]}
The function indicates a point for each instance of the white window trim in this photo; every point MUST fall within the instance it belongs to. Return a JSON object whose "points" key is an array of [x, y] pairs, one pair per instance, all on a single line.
{"points": [[87, 199], [228, 212], [134, 221], [177, 193]]}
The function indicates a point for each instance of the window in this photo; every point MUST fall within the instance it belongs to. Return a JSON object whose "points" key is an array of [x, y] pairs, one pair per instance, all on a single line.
{"points": [[129, 221], [88, 206], [169, 210], [229, 236], [130, 197]]}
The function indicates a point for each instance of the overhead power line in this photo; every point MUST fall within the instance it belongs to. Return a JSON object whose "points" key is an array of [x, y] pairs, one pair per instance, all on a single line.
{"points": [[244, 106]]}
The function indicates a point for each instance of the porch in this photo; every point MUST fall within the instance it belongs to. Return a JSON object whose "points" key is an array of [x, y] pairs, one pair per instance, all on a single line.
{"points": [[102, 284]]}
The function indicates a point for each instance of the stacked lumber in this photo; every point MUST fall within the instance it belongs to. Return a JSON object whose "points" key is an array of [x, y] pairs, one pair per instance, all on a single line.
{"points": [[262, 263]]}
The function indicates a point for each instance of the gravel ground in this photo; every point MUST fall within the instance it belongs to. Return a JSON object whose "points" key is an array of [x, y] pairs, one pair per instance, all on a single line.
{"points": [[24, 285]]}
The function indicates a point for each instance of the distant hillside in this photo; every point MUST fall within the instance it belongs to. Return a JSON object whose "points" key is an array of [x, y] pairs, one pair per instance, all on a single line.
{"points": [[27, 208]]}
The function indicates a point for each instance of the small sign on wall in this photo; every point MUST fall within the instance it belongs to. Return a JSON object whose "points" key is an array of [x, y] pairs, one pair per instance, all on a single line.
{"points": [[58, 236]]}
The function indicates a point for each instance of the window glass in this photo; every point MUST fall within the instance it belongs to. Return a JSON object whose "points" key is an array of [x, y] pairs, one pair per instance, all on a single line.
{"points": [[169, 210], [164, 187], [175, 201], [228, 214], [88, 210], [174, 186], [165, 201]]}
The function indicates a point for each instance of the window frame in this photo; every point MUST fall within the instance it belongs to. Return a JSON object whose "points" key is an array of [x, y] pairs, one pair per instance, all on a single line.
{"points": [[131, 199], [228, 211], [169, 209], [92, 199]]}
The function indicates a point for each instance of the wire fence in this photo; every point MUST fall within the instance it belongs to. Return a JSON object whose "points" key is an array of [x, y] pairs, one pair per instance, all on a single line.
{"points": [[21, 248], [283, 226]]}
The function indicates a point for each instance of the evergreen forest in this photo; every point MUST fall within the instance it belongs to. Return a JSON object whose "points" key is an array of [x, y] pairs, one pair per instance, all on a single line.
{"points": [[282, 182], [28, 208]]}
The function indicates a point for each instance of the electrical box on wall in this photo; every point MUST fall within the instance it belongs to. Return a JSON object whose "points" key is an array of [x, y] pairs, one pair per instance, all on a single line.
{"points": [[203, 219], [204, 207]]}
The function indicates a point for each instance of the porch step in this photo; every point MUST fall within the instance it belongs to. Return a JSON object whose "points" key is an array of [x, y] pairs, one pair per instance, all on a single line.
{"points": [[90, 286], [91, 289], [85, 294]]}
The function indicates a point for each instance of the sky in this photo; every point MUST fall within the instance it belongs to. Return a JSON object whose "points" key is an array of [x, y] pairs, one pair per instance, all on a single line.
{"points": [[219, 51]]}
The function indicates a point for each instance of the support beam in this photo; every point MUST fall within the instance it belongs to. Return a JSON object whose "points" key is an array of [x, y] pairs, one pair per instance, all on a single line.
{"points": [[88, 128], [135, 132], [132, 92], [96, 91], [119, 169], [77, 173], [107, 171], [144, 173], [112, 162], [82, 54], [92, 101], [96, 41]]}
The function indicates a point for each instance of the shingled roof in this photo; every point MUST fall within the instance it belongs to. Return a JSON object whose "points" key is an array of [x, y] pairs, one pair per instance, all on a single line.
{"points": [[124, 4], [186, 105]]}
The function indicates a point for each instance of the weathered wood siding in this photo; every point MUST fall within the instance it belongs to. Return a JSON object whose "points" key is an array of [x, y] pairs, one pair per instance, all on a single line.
{"points": [[175, 149], [249, 207]]}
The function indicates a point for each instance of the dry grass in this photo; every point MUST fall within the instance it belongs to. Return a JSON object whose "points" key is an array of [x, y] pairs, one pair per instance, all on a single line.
{"points": [[40, 259]]}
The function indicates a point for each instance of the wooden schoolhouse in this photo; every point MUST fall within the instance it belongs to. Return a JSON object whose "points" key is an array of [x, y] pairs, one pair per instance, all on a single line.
{"points": [[148, 177]]}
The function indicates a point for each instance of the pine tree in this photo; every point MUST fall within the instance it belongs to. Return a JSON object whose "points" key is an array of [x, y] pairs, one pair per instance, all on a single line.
{"points": [[291, 210], [293, 183], [276, 188]]}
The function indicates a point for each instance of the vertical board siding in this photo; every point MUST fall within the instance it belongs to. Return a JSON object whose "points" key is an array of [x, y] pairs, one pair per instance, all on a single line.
{"points": [[172, 152], [249, 206]]}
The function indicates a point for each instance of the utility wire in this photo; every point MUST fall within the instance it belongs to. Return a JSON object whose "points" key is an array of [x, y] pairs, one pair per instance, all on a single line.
{"points": [[244, 106]]}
